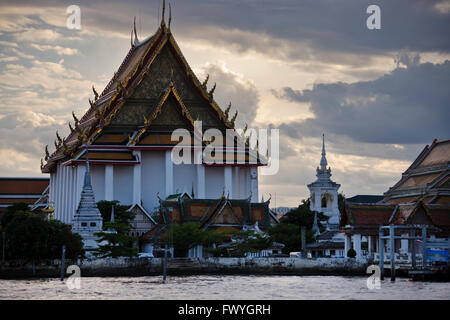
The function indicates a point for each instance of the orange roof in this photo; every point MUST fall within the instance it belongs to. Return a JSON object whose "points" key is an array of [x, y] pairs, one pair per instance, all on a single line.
{"points": [[23, 186]]}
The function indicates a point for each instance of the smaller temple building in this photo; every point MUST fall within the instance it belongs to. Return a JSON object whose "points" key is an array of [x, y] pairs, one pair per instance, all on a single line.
{"points": [[420, 199], [324, 192]]}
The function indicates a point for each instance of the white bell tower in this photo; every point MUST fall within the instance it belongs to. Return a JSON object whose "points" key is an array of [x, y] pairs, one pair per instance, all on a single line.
{"points": [[324, 192]]}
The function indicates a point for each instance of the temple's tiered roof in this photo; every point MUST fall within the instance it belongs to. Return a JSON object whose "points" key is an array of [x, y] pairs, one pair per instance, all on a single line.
{"points": [[153, 92], [427, 179]]}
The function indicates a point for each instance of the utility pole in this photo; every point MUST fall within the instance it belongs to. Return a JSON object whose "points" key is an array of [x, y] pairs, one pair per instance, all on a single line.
{"points": [[381, 253], [4, 245], [165, 263], [392, 245]]}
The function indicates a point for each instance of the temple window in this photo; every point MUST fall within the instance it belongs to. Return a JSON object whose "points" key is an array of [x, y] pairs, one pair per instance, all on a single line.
{"points": [[324, 202]]}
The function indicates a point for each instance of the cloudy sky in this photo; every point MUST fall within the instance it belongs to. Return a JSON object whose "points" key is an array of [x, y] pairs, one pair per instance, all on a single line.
{"points": [[305, 67]]}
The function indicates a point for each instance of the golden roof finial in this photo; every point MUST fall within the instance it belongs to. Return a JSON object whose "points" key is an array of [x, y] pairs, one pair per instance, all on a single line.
{"points": [[134, 29], [163, 23], [211, 92], [42, 164], [170, 15], [47, 154], [70, 127]]}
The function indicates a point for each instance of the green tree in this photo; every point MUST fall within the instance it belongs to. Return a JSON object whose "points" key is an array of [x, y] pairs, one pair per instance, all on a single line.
{"points": [[11, 210], [114, 241], [121, 213], [183, 237], [302, 216], [249, 241], [33, 238], [190, 234], [287, 234]]}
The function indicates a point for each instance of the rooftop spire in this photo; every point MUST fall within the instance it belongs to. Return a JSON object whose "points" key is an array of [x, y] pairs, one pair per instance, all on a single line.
{"points": [[87, 175], [163, 23], [323, 161]]}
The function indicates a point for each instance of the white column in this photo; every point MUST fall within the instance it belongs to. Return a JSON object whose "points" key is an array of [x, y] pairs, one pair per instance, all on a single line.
{"points": [[109, 182], [357, 245], [169, 173], [200, 177], [137, 179], [347, 244], [254, 183], [237, 191], [404, 244], [71, 197], [370, 244], [228, 181]]}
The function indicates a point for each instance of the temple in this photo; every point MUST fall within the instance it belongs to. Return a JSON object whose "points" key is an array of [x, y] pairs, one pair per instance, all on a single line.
{"points": [[420, 198], [324, 192], [128, 133]]}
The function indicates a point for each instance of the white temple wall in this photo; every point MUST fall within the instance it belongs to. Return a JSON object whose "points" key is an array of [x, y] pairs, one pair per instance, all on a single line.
{"points": [[62, 187], [214, 182], [98, 181], [152, 178], [184, 176], [123, 184]]}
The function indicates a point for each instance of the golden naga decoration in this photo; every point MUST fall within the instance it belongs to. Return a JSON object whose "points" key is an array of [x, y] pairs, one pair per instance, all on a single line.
{"points": [[92, 103], [75, 119], [66, 149], [130, 139], [82, 137], [49, 210], [47, 154], [234, 118], [147, 121], [70, 127], [227, 111], [59, 138], [211, 92], [56, 145], [95, 93], [42, 164], [205, 82]]}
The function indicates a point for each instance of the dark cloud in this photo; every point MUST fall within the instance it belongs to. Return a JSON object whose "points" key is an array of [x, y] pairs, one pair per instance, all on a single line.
{"points": [[407, 106], [233, 88]]}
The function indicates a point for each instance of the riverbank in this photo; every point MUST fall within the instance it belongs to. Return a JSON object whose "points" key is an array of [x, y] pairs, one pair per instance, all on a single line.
{"points": [[135, 267]]}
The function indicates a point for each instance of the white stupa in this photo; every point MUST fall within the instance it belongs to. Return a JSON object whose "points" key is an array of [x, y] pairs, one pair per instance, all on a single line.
{"points": [[324, 192], [87, 219]]}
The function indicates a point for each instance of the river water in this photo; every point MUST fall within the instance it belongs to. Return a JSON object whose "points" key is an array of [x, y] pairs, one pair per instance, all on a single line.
{"points": [[224, 288]]}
